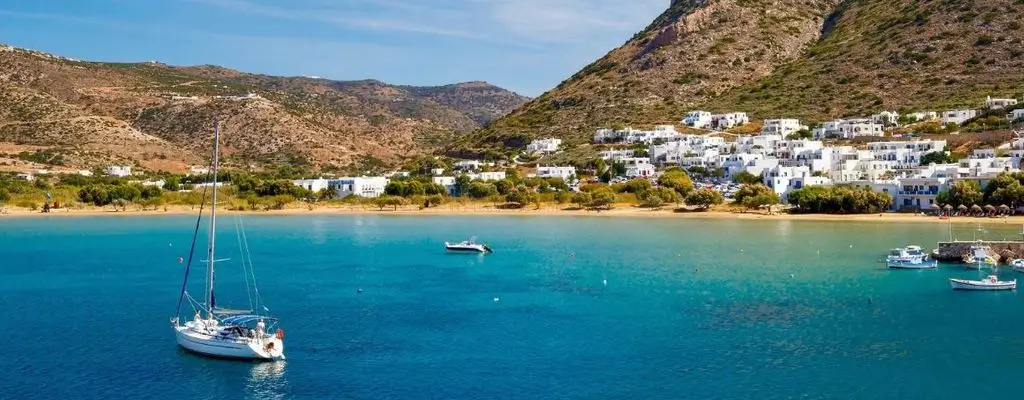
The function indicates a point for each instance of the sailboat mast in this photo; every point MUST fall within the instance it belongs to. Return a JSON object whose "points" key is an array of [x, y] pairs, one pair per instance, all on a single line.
{"points": [[213, 222]]}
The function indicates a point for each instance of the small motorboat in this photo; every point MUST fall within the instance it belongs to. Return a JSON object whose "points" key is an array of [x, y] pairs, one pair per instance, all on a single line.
{"points": [[470, 246], [989, 283], [1017, 264], [979, 258], [910, 257]]}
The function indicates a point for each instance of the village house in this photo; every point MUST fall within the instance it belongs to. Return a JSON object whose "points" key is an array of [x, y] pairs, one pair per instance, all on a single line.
{"points": [[993, 104], [547, 146], [697, 119], [729, 120], [614, 154], [630, 135], [196, 170], [848, 129], [343, 187], [782, 127], [886, 118], [488, 176], [119, 171], [567, 173], [923, 115], [958, 116], [1015, 115], [448, 182], [638, 167]]}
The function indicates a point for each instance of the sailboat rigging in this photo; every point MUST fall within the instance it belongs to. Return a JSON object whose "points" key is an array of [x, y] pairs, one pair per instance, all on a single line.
{"points": [[243, 334]]}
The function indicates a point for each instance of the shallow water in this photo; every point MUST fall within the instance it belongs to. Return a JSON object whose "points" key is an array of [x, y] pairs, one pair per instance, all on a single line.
{"points": [[566, 308]]}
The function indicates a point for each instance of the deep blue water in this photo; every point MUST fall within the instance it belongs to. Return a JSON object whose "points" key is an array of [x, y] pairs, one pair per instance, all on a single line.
{"points": [[691, 309]]}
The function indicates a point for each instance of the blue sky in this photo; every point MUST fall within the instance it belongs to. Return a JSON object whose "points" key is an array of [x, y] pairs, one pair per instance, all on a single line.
{"points": [[524, 45]]}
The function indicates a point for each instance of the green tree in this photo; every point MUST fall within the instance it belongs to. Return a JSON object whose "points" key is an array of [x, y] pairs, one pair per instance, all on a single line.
{"points": [[481, 190], [744, 177], [562, 197], [704, 198], [582, 199], [395, 188], [462, 183], [172, 183], [504, 186], [676, 180], [5, 196], [634, 186], [414, 188], [602, 199], [748, 191], [965, 193], [521, 197], [936, 157]]}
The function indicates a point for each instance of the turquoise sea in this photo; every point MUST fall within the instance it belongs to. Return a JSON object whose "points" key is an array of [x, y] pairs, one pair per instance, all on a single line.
{"points": [[566, 308]]}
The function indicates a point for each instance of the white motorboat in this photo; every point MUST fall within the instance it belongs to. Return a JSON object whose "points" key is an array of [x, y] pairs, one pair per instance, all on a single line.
{"points": [[910, 257], [238, 334], [1017, 264], [468, 246], [979, 258], [989, 283]]}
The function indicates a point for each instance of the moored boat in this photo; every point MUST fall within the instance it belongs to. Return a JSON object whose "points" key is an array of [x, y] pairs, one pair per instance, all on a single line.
{"points": [[222, 333], [910, 257], [1017, 264], [469, 246], [989, 283], [979, 258]]}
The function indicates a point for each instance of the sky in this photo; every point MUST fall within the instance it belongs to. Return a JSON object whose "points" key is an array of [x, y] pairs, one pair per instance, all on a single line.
{"points": [[528, 46]]}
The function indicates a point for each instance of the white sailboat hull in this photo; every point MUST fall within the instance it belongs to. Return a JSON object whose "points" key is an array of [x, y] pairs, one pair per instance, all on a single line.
{"points": [[964, 284], [197, 341]]}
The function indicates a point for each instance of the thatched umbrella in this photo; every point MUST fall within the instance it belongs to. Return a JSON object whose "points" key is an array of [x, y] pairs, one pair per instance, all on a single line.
{"points": [[990, 207], [962, 207], [937, 206], [948, 207], [1004, 208], [976, 208]]}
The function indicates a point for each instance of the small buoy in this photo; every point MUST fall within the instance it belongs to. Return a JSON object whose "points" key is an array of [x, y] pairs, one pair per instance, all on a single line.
{"points": [[180, 260], [851, 246], [360, 290], [605, 282], [496, 299], [170, 244], [792, 276]]}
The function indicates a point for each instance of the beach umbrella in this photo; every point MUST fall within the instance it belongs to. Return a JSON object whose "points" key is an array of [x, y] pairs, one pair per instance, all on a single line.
{"points": [[1004, 207], [948, 207], [975, 208], [937, 206], [990, 207], [962, 207]]}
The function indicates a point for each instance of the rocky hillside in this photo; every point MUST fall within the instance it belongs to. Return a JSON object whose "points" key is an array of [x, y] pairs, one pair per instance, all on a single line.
{"points": [[160, 117], [812, 59]]}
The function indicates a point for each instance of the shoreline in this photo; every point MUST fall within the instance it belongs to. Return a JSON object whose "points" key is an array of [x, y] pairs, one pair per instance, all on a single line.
{"points": [[621, 211]]}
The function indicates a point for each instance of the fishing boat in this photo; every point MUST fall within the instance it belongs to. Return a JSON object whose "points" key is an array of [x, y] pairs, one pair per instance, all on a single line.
{"points": [[1017, 264], [218, 332], [910, 257], [469, 246], [989, 283], [979, 258]]}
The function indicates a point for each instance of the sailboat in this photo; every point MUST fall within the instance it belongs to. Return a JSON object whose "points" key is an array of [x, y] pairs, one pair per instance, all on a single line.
{"points": [[216, 332]]}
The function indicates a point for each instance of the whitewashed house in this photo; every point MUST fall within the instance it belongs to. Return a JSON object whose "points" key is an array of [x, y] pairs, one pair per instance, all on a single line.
{"points": [[362, 186], [729, 120], [1015, 115], [615, 154], [467, 165], [567, 173], [886, 118], [448, 182], [313, 185], [197, 170], [993, 104], [848, 129], [547, 146], [958, 116], [782, 127], [918, 193], [638, 167], [437, 171], [119, 171], [923, 115], [781, 179], [697, 119], [488, 176]]}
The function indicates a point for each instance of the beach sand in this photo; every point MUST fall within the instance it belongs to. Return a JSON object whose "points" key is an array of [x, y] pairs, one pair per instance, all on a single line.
{"points": [[480, 209]]}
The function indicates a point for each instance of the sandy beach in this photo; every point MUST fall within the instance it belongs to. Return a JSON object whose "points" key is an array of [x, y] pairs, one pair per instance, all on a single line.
{"points": [[479, 209]]}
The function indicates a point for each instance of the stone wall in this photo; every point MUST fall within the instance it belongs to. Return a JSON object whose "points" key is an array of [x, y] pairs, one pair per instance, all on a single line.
{"points": [[1004, 251]]}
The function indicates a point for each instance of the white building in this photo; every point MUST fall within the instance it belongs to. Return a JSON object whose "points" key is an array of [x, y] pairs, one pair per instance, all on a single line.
{"points": [[924, 115], [993, 104], [313, 185], [729, 120], [85, 172], [697, 119], [448, 182], [1015, 114], [616, 154], [566, 173], [637, 167], [544, 145], [437, 171], [958, 116], [886, 118], [196, 170], [120, 171], [848, 129], [783, 127], [362, 186], [630, 135], [488, 176]]}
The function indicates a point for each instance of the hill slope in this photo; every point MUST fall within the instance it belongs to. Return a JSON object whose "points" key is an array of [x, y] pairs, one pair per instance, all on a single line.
{"points": [[808, 59], [160, 116]]}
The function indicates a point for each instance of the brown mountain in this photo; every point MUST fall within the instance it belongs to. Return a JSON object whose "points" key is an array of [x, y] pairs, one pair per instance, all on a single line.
{"points": [[160, 116], [809, 59]]}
